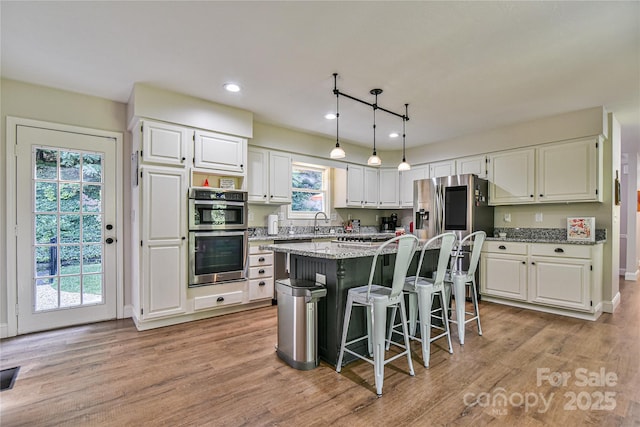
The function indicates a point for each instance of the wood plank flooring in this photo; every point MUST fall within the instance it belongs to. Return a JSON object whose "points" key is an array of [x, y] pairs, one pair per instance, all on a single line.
{"points": [[224, 372]]}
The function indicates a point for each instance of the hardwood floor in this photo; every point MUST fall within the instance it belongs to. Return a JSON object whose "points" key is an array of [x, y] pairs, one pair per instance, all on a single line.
{"points": [[224, 372]]}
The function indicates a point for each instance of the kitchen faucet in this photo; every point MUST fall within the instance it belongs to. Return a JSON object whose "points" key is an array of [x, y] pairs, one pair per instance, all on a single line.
{"points": [[315, 221]]}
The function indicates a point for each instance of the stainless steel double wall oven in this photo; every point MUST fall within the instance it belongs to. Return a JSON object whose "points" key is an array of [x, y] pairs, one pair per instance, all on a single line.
{"points": [[218, 236]]}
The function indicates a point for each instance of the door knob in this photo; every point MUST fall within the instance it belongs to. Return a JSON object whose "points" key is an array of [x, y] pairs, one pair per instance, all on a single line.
{"points": [[109, 240], [109, 227]]}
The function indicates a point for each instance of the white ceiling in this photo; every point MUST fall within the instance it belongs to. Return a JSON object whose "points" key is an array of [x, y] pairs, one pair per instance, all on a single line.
{"points": [[462, 67]]}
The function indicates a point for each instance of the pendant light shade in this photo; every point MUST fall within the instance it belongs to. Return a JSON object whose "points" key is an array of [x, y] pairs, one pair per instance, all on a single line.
{"points": [[374, 160], [337, 152], [404, 166]]}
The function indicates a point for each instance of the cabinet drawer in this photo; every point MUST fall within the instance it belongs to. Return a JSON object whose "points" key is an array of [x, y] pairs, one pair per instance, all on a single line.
{"points": [[260, 288], [505, 247], [217, 300], [260, 259], [254, 248], [560, 250], [260, 272]]}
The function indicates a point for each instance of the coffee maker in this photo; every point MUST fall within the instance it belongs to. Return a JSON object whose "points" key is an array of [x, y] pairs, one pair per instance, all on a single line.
{"points": [[388, 223]]}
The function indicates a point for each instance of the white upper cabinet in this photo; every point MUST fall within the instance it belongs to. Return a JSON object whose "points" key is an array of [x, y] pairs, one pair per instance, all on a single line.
{"points": [[388, 188], [439, 169], [406, 183], [269, 176], [355, 186], [569, 171], [511, 177], [476, 165], [165, 144], [220, 152]]}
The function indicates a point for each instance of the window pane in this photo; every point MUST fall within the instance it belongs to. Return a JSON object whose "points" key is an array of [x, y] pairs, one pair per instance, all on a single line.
{"points": [[91, 288], [69, 228], [69, 166], [91, 228], [91, 196], [70, 259], [304, 178], [69, 197], [46, 197], [46, 228], [307, 202], [69, 291], [92, 259], [46, 164], [92, 168], [46, 261], [47, 295]]}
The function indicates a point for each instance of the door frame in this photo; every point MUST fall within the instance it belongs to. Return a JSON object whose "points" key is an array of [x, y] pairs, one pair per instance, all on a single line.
{"points": [[11, 220]]}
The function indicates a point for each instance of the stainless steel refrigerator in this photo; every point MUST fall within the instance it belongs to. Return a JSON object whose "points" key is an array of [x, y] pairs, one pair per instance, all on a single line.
{"points": [[457, 203]]}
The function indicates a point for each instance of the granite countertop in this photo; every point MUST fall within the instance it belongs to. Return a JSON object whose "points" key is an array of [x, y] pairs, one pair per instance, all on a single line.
{"points": [[543, 235], [306, 236], [335, 250]]}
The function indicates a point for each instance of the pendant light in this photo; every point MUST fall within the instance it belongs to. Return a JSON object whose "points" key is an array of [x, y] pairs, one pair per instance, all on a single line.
{"points": [[374, 160], [404, 166], [337, 152]]}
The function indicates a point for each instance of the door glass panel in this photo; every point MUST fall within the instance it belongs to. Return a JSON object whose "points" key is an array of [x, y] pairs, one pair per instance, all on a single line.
{"points": [[68, 218], [69, 197], [46, 164], [46, 196]]}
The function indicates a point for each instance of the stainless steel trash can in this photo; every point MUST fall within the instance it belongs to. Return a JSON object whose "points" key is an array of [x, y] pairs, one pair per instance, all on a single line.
{"points": [[297, 322]]}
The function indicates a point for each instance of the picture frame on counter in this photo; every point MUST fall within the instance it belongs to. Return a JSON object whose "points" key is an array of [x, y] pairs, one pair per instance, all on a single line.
{"points": [[581, 229]]}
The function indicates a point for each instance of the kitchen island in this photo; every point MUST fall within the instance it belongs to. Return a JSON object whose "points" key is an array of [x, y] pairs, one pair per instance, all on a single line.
{"points": [[342, 266]]}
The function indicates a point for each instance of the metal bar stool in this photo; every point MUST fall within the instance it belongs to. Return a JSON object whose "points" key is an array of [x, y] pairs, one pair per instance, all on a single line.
{"points": [[377, 299], [459, 279], [421, 291]]}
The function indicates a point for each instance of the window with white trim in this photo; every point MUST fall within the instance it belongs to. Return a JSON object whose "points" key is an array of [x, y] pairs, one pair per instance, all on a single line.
{"points": [[309, 194]]}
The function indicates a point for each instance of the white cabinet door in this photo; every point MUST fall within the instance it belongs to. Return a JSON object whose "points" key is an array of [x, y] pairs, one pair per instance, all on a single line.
{"points": [[370, 177], [511, 177], [279, 177], [163, 223], [562, 282], [388, 188], [504, 275], [406, 183], [355, 185], [568, 171], [439, 169], [220, 152], [258, 175], [476, 165], [269, 176], [165, 144]]}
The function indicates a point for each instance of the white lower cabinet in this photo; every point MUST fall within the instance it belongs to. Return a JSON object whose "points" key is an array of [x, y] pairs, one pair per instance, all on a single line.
{"points": [[560, 276], [260, 274]]}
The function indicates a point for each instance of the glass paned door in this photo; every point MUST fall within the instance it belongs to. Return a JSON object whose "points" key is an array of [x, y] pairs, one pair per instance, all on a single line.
{"points": [[68, 218], [66, 228]]}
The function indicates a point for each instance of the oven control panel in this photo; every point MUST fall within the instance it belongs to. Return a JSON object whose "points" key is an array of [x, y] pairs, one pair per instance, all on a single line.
{"points": [[217, 194]]}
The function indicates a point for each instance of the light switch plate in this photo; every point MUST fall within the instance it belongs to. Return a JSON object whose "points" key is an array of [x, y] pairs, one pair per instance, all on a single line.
{"points": [[538, 216], [321, 278], [507, 217]]}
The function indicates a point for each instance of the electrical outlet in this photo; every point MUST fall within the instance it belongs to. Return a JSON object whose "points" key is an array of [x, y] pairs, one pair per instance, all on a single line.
{"points": [[507, 217], [334, 216], [349, 216], [250, 216], [376, 218], [321, 278], [538, 216], [281, 216]]}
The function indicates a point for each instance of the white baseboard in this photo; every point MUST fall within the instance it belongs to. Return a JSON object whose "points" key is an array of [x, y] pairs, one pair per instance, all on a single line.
{"points": [[622, 272], [611, 306], [4, 330], [631, 276]]}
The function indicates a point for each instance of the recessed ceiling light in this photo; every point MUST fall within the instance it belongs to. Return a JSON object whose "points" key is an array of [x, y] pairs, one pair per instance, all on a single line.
{"points": [[394, 135], [232, 87], [330, 116]]}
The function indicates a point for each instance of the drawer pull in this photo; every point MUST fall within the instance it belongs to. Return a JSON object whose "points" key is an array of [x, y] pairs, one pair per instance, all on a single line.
{"points": [[261, 271], [261, 259], [533, 263], [220, 299], [261, 283], [503, 247], [524, 262], [558, 250]]}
